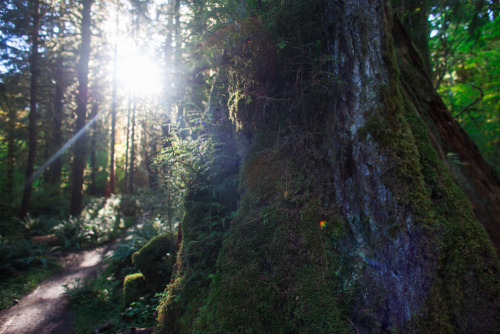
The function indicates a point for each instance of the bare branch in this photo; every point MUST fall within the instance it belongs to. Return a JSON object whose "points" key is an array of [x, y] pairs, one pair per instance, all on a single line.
{"points": [[479, 99]]}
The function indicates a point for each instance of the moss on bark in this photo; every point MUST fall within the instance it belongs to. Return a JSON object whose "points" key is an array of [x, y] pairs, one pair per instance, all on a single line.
{"points": [[399, 249]]}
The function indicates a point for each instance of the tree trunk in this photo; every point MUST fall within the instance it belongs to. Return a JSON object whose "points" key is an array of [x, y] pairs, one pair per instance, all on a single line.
{"points": [[125, 179], [11, 127], [33, 111], [132, 152], [93, 143], [349, 219], [54, 174], [110, 189], [455, 148], [415, 15], [76, 204], [150, 142]]}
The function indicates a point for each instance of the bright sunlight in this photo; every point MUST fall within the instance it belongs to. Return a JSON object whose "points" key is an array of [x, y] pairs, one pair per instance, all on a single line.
{"points": [[139, 74]]}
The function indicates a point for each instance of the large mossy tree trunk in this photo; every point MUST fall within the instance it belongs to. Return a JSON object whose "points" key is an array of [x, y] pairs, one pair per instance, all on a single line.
{"points": [[349, 218], [454, 147]]}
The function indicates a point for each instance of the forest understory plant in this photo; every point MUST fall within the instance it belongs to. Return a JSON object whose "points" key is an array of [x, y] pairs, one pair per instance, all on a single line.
{"points": [[104, 301]]}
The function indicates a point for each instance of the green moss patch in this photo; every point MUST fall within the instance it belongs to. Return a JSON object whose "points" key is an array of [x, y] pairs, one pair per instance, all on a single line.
{"points": [[273, 278], [466, 290], [156, 260], [134, 287]]}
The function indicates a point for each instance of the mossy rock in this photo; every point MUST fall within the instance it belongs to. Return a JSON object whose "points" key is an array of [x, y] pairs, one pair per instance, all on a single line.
{"points": [[155, 261], [134, 287]]}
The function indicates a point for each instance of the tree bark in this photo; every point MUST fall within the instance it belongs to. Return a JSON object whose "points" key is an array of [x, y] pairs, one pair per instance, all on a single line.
{"points": [[110, 189], [54, 174], [474, 176], [150, 143], [33, 110], [125, 179], [414, 16], [76, 204], [93, 144], [9, 184], [349, 219], [132, 152]]}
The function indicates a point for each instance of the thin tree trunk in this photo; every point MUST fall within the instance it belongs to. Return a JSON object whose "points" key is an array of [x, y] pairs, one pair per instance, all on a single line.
{"points": [[125, 179], [10, 146], [33, 111], [93, 144], [171, 91], [149, 142], [169, 192], [111, 182], [48, 146], [58, 116], [132, 151], [76, 204], [11, 156]]}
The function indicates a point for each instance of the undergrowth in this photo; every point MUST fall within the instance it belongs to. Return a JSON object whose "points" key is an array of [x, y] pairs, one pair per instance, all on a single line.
{"points": [[97, 303], [28, 252], [15, 286]]}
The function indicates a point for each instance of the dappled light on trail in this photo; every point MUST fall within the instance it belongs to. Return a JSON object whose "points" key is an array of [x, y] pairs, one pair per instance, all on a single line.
{"points": [[44, 309]]}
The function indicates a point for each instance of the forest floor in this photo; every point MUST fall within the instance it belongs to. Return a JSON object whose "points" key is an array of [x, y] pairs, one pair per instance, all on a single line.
{"points": [[45, 309]]}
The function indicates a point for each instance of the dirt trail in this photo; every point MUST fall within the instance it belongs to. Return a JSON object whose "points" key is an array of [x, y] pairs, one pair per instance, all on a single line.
{"points": [[45, 310]]}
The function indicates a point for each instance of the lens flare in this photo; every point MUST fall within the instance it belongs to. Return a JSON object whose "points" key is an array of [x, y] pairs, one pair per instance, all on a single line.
{"points": [[322, 224]]}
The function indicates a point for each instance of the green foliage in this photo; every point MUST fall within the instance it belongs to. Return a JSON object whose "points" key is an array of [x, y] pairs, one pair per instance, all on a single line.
{"points": [[130, 205], [209, 204], [49, 200], [186, 153], [23, 265], [99, 222], [93, 293], [94, 302], [22, 254], [465, 56], [143, 311], [114, 296]]}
